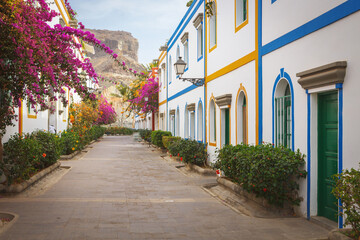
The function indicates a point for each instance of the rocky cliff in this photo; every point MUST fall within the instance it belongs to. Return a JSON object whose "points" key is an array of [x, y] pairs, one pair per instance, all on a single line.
{"points": [[126, 46], [123, 44]]}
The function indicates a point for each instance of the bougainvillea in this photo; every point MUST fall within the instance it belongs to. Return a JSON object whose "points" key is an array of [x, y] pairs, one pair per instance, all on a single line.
{"points": [[147, 99], [107, 114], [37, 61]]}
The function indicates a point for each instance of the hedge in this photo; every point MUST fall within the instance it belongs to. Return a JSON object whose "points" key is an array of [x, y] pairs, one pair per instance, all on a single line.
{"points": [[189, 151], [269, 172], [157, 136], [167, 140]]}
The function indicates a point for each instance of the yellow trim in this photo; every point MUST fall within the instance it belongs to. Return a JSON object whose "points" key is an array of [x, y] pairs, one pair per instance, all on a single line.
{"points": [[21, 118], [61, 12], [237, 28], [212, 99], [32, 116], [63, 3], [256, 73], [232, 66], [216, 21], [161, 58], [242, 89], [163, 102]]}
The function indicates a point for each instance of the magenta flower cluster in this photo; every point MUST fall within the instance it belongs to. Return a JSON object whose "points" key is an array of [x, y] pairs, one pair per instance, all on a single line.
{"points": [[107, 112], [150, 92]]}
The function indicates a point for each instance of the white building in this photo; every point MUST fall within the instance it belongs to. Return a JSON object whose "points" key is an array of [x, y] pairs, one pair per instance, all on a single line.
{"points": [[283, 72]]}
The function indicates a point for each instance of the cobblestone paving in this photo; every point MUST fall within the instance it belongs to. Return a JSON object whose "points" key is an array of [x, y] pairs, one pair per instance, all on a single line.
{"points": [[122, 189]]}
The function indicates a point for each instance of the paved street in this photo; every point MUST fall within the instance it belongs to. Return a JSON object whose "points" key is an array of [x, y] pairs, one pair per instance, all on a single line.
{"points": [[121, 189]]}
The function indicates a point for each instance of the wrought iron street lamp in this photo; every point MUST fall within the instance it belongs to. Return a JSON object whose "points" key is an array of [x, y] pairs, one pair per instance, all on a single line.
{"points": [[180, 69]]}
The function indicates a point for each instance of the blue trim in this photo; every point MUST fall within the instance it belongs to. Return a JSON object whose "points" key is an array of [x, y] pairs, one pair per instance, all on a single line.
{"points": [[340, 145], [186, 23], [286, 76], [323, 20], [186, 90], [338, 85], [308, 155], [200, 58], [177, 52], [260, 75], [187, 56], [182, 20], [186, 69], [272, 1]]}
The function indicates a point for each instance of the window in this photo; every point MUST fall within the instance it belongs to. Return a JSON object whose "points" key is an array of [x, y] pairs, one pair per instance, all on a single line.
{"points": [[240, 12], [212, 119], [177, 53], [200, 123], [172, 125], [192, 125], [200, 46], [186, 54], [177, 130], [170, 70], [30, 110], [186, 129], [212, 27], [241, 118], [282, 111]]}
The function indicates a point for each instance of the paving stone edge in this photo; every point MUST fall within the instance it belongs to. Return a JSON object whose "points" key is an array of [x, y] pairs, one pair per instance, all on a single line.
{"points": [[17, 188]]}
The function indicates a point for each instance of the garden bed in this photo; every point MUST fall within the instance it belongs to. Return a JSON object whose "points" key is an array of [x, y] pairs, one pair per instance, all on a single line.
{"points": [[19, 187], [7, 220], [287, 210]]}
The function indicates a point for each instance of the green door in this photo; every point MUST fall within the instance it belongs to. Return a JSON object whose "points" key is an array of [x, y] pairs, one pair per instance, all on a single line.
{"points": [[227, 126], [327, 153]]}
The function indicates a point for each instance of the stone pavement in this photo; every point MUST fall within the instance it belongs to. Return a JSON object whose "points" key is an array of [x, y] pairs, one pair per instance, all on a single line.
{"points": [[122, 189]]}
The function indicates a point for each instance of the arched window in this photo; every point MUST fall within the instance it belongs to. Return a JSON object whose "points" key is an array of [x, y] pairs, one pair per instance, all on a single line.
{"points": [[212, 25], [186, 128], [170, 70], [212, 119], [282, 112], [177, 53], [177, 130], [241, 118], [200, 122]]}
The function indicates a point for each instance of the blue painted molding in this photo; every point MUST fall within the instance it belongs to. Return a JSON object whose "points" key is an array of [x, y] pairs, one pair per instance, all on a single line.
{"points": [[198, 121], [182, 20], [260, 75], [323, 20], [286, 76], [340, 145], [272, 1], [200, 58], [184, 26], [186, 90], [308, 156]]}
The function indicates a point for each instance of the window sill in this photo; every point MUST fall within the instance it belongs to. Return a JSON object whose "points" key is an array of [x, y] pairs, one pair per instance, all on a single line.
{"points": [[243, 24]]}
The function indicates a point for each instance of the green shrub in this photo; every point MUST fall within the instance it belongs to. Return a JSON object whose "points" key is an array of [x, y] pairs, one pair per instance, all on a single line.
{"points": [[156, 137], [190, 151], [119, 131], [347, 188], [145, 134], [269, 172], [21, 158], [167, 140], [50, 147], [70, 142]]}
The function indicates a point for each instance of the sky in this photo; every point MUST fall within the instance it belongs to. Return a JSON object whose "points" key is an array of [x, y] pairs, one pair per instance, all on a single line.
{"points": [[152, 22]]}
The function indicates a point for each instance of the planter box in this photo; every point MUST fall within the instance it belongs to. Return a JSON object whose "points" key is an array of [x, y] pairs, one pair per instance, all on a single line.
{"points": [[70, 156], [236, 188], [200, 170], [17, 188]]}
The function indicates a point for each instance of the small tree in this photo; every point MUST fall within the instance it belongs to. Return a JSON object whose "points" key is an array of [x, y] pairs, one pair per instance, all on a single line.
{"points": [[347, 189]]}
